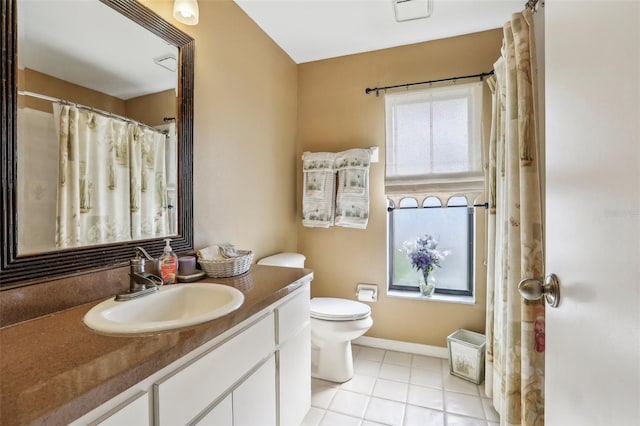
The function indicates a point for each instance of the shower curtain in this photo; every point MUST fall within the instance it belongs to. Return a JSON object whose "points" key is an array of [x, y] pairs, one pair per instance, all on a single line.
{"points": [[149, 213], [111, 185], [515, 327]]}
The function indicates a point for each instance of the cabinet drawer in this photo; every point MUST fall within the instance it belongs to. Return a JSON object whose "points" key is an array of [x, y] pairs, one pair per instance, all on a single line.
{"points": [[184, 394], [134, 411], [293, 315]]}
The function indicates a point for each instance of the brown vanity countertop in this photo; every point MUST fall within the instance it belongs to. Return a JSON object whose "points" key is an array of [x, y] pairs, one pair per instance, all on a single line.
{"points": [[54, 369]]}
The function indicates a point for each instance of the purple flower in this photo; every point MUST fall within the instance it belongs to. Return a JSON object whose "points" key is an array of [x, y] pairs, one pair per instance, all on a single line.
{"points": [[423, 253]]}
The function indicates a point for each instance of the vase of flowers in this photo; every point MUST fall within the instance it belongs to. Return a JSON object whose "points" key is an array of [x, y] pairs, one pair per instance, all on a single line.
{"points": [[427, 285], [424, 256]]}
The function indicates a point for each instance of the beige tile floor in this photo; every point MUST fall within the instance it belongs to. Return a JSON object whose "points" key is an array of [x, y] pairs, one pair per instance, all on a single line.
{"points": [[399, 389]]}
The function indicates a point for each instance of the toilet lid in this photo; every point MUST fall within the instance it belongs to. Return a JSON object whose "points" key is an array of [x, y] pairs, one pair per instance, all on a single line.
{"points": [[334, 309]]}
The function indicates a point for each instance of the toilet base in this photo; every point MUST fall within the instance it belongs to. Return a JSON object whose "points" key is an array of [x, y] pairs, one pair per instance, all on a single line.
{"points": [[332, 361]]}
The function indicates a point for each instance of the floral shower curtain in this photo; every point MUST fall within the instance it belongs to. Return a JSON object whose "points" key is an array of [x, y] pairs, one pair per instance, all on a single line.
{"points": [[515, 327], [106, 167]]}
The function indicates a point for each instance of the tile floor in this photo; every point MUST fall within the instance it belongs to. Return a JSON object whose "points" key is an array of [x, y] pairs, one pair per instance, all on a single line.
{"points": [[399, 389]]}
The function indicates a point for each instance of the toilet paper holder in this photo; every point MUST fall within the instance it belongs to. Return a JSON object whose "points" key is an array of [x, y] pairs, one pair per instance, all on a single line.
{"points": [[367, 292]]}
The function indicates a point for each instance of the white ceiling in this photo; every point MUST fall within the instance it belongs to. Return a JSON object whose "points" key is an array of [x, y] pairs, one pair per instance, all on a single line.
{"points": [[307, 30], [310, 30], [89, 44]]}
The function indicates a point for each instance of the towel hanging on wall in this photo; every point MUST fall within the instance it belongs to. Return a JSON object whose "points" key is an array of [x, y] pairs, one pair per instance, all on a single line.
{"points": [[352, 198], [318, 191]]}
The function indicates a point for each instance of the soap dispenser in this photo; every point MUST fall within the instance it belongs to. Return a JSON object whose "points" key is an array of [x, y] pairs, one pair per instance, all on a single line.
{"points": [[168, 264]]}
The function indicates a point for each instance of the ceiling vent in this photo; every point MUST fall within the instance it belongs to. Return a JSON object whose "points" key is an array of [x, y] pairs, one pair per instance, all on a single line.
{"points": [[409, 10], [168, 62]]}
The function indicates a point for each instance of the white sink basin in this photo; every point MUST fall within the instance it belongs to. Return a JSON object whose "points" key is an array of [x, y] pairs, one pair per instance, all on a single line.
{"points": [[174, 306]]}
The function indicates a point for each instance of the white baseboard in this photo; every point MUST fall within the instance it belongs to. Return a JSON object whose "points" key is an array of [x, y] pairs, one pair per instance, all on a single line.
{"points": [[395, 345]]}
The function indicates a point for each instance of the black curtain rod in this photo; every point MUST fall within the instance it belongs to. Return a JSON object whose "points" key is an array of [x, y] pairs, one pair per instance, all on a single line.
{"points": [[407, 85], [483, 205]]}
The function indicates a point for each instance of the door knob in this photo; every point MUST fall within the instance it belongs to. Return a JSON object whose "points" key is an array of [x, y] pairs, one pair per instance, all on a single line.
{"points": [[532, 289]]}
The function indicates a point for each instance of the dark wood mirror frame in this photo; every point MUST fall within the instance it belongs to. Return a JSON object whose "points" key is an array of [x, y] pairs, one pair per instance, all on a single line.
{"points": [[31, 269]]}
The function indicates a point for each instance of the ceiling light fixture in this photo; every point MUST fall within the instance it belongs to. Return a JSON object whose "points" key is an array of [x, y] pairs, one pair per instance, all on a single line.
{"points": [[186, 11], [408, 10]]}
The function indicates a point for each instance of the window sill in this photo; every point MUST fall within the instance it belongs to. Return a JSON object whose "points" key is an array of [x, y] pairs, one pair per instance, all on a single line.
{"points": [[444, 298]]}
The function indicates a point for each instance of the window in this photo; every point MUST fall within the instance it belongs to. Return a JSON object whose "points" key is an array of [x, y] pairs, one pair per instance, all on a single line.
{"points": [[433, 159], [452, 227]]}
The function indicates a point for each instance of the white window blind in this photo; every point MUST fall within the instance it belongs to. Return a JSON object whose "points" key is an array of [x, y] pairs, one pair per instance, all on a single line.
{"points": [[433, 143]]}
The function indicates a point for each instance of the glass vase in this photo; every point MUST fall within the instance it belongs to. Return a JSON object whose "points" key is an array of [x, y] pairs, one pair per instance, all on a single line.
{"points": [[428, 285]]}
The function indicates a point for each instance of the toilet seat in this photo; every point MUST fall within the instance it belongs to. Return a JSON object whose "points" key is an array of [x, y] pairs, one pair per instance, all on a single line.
{"points": [[334, 309]]}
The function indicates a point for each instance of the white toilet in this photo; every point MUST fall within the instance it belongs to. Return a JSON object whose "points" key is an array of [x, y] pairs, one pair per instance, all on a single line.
{"points": [[334, 323]]}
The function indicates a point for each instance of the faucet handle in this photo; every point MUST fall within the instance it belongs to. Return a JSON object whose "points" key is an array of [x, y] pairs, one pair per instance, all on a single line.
{"points": [[140, 250]]}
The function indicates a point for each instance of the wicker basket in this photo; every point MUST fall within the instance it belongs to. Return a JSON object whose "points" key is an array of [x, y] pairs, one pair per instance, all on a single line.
{"points": [[222, 268]]}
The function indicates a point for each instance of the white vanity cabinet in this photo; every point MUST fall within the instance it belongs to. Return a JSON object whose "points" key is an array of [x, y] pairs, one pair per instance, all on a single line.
{"points": [[294, 359], [183, 395], [281, 395], [257, 373]]}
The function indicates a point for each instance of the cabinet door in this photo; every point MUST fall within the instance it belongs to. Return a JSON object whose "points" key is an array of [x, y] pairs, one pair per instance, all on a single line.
{"points": [[295, 378], [254, 401], [220, 415]]}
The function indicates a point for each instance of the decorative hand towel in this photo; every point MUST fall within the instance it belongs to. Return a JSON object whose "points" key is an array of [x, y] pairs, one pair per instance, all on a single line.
{"points": [[210, 253], [218, 252], [352, 199], [319, 182], [228, 250]]}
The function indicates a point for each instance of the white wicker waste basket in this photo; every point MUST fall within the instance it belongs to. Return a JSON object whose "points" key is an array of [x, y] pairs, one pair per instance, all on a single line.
{"points": [[466, 355]]}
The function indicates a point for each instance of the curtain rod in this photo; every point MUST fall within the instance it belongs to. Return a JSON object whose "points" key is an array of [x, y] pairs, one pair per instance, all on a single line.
{"points": [[407, 85], [483, 205], [77, 105]]}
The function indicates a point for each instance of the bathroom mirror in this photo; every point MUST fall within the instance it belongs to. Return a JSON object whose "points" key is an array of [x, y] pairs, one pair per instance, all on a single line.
{"points": [[146, 110]]}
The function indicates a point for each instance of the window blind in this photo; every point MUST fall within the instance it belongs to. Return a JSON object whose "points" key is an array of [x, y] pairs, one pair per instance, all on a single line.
{"points": [[433, 143]]}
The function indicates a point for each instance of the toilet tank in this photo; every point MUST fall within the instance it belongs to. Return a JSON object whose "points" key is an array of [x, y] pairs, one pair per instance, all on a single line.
{"points": [[291, 260]]}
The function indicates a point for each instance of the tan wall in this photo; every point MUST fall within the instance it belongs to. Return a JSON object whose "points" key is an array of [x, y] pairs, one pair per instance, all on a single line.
{"points": [[244, 131], [152, 109], [334, 114], [37, 82], [148, 109], [247, 162]]}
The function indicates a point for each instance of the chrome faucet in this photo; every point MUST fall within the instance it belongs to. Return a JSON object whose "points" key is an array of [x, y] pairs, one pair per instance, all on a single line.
{"points": [[141, 283]]}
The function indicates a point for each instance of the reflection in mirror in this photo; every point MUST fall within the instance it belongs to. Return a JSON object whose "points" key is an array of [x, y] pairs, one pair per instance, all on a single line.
{"points": [[96, 134], [87, 145]]}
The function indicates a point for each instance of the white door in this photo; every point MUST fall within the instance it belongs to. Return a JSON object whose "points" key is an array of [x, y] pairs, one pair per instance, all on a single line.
{"points": [[592, 77]]}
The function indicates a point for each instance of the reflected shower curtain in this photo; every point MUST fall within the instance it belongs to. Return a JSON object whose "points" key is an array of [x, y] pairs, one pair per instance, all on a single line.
{"points": [[93, 190], [149, 212], [515, 327], [111, 179]]}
